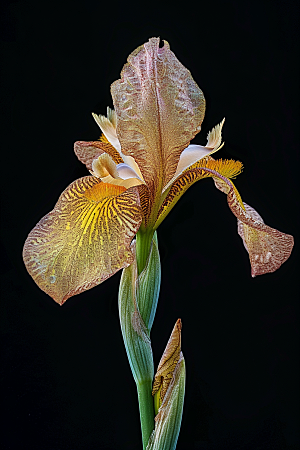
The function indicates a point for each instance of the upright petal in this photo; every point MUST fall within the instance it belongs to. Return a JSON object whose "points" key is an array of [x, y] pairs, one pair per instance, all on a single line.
{"points": [[84, 240], [159, 110], [108, 127]]}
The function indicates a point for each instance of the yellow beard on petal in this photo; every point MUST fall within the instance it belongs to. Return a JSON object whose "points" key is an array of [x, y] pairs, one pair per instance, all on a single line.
{"points": [[85, 239], [102, 190]]}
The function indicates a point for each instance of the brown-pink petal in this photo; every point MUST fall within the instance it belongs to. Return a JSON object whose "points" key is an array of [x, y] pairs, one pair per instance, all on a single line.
{"points": [[268, 248], [86, 152], [159, 110]]}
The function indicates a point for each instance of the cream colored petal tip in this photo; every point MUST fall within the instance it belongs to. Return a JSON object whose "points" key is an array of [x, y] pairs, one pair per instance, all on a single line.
{"points": [[214, 137], [108, 127], [194, 152], [189, 156], [104, 166]]}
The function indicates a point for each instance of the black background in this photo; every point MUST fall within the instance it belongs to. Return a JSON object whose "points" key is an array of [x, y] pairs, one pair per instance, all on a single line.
{"points": [[65, 378]]}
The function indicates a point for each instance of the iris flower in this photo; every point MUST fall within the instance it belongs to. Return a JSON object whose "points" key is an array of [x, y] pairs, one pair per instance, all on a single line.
{"points": [[139, 168]]}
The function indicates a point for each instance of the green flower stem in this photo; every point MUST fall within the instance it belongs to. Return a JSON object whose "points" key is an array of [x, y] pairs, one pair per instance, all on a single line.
{"points": [[138, 296], [145, 399], [143, 243]]}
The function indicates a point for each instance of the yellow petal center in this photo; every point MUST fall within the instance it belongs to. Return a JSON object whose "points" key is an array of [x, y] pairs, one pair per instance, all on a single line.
{"points": [[102, 190]]}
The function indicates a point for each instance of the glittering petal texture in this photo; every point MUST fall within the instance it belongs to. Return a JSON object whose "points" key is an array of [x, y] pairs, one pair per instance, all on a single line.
{"points": [[159, 108], [84, 240], [168, 362], [255, 216], [86, 152], [266, 251], [268, 248]]}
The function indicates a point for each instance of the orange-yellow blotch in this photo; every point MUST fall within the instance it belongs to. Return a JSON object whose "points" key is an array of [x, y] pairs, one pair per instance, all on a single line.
{"points": [[103, 190], [66, 254]]}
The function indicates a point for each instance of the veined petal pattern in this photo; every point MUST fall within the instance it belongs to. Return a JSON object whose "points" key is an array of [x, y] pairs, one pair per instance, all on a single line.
{"points": [[228, 167], [268, 248], [86, 152], [85, 239], [160, 109]]}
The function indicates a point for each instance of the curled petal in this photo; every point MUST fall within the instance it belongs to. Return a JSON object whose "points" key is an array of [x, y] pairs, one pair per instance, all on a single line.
{"points": [[104, 166], [255, 216], [86, 152], [159, 108], [145, 202], [194, 153], [268, 248], [214, 137], [120, 175], [84, 240], [228, 167], [126, 171]]}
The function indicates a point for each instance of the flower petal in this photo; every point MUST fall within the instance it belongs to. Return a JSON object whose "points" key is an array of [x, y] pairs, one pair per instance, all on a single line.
{"points": [[159, 108], [125, 171], [108, 127], [194, 153], [268, 248], [86, 152], [228, 168], [104, 166], [84, 240], [107, 171]]}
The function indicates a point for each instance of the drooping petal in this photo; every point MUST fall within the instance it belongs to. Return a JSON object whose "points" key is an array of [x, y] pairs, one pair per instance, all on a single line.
{"points": [[228, 168], [86, 152], [159, 108], [194, 153], [268, 248], [255, 216], [84, 240]]}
